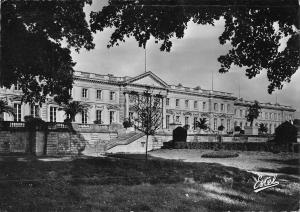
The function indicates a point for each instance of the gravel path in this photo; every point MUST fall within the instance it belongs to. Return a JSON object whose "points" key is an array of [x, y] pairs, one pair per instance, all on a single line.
{"points": [[267, 162]]}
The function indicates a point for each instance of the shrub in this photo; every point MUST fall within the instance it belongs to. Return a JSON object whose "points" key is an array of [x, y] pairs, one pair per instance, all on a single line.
{"points": [[262, 128], [220, 154], [33, 123], [179, 134], [221, 128], [127, 124], [285, 133], [98, 122], [187, 127], [237, 128]]}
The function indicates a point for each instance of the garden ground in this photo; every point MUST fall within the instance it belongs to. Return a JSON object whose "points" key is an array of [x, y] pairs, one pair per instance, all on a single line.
{"points": [[254, 161], [128, 184]]}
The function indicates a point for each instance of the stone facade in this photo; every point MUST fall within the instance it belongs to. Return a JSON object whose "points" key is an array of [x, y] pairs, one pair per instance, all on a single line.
{"points": [[109, 100]]}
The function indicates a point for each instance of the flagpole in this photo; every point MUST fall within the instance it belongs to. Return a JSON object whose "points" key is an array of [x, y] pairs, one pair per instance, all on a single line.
{"points": [[145, 57], [212, 80]]}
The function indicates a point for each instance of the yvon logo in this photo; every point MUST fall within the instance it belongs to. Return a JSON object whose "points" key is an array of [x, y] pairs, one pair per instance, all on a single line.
{"points": [[263, 182]]}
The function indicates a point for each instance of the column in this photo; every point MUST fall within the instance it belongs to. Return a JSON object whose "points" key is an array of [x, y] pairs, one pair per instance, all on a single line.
{"points": [[164, 124], [126, 105]]}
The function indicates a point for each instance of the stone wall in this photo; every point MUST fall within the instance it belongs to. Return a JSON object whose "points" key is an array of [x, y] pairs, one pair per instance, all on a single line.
{"points": [[14, 141]]}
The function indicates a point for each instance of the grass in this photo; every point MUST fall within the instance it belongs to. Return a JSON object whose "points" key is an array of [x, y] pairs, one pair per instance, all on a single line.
{"points": [[220, 154], [124, 183]]}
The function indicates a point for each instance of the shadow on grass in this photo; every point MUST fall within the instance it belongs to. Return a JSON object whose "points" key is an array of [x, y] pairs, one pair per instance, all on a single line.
{"points": [[283, 170], [118, 184], [295, 162]]}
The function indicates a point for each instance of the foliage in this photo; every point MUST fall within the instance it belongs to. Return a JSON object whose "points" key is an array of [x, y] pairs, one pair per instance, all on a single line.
{"points": [[262, 128], [127, 123], [253, 112], [72, 108], [220, 154], [186, 127], [202, 123], [237, 128], [149, 111], [33, 123], [98, 122], [286, 133], [221, 128], [254, 32], [148, 107], [5, 108], [179, 134], [32, 51]]}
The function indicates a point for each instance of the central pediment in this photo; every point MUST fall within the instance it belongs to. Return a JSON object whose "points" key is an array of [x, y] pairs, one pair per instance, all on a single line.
{"points": [[148, 79]]}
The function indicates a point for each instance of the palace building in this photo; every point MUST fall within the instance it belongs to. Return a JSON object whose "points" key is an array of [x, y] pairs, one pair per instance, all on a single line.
{"points": [[109, 99]]}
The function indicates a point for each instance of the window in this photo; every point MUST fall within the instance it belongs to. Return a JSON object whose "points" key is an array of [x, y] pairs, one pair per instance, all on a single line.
{"points": [[131, 115], [266, 114], [195, 104], [84, 117], [167, 121], [241, 113], [228, 108], [18, 87], [222, 122], [84, 93], [228, 124], [112, 96], [271, 115], [177, 102], [186, 103], [186, 120], [53, 114], [204, 106], [215, 123], [167, 101], [99, 94], [216, 107], [177, 118], [195, 122], [222, 107], [111, 116], [18, 112], [98, 115], [235, 112], [34, 110]]}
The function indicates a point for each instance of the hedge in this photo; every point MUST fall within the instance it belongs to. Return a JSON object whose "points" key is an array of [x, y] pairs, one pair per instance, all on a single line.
{"points": [[245, 146]]}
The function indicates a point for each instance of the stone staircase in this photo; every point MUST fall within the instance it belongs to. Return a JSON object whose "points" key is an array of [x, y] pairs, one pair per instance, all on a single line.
{"points": [[123, 139]]}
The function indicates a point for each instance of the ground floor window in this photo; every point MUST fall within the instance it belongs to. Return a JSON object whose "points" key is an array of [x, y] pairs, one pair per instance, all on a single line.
{"points": [[34, 110], [84, 117], [99, 115], [195, 122], [167, 121], [177, 118], [53, 114], [228, 124], [215, 123], [186, 120], [18, 112], [111, 116], [131, 115]]}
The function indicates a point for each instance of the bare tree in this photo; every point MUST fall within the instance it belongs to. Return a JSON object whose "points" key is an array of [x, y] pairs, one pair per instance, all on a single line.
{"points": [[148, 107]]}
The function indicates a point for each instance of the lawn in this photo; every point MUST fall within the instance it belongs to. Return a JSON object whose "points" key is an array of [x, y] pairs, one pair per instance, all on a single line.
{"points": [[126, 184]]}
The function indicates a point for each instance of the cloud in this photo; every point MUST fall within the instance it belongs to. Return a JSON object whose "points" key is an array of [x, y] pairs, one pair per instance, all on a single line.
{"points": [[192, 61]]}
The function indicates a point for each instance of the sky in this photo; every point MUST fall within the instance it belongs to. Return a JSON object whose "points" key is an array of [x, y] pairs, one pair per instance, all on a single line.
{"points": [[192, 62]]}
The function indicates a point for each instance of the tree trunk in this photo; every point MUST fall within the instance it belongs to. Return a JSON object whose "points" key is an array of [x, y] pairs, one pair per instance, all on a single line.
{"points": [[147, 147]]}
